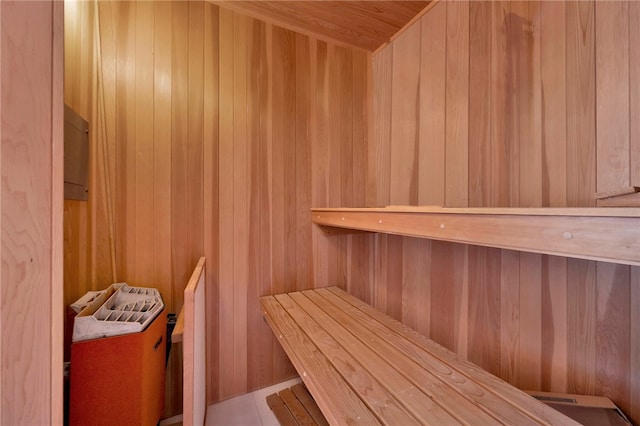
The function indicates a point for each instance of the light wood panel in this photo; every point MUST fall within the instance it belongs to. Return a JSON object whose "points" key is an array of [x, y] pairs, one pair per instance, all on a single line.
{"points": [[541, 81], [31, 166], [364, 24], [224, 124]]}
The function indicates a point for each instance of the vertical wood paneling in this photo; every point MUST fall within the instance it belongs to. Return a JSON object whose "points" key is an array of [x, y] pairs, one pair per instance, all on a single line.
{"points": [[258, 365], [143, 144], [416, 284], [634, 322], [509, 315], [457, 105], [581, 108], [612, 94], [404, 118], [581, 323], [613, 332], [554, 103], [225, 172], [500, 182], [487, 104], [431, 123], [162, 150], [31, 207], [480, 169], [382, 75], [240, 206], [530, 347], [484, 307], [533, 104], [634, 92], [211, 193], [554, 323], [527, 78]]}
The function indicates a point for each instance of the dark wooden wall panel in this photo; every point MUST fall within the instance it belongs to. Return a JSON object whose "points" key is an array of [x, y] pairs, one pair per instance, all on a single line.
{"points": [[522, 133]]}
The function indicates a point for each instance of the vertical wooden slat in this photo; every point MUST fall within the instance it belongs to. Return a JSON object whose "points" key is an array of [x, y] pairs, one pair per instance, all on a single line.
{"points": [[480, 31], [581, 112], [240, 206], [431, 122], [612, 95], [405, 117], [194, 145], [382, 99], [581, 325], [283, 74], [448, 268], [613, 331], [57, 209], [302, 161], [554, 324], [509, 315], [500, 183], [528, 89], [457, 106], [225, 358], [125, 136], [211, 192], [554, 104], [530, 344], [257, 371], [29, 205], [634, 322], [634, 91], [416, 284], [484, 307], [143, 143]]}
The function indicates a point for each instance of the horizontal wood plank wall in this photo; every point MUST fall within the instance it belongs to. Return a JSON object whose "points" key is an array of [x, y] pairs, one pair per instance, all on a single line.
{"points": [[218, 134], [541, 79]]}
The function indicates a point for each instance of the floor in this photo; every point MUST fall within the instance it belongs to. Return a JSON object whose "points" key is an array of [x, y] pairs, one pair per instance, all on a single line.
{"points": [[246, 410]]}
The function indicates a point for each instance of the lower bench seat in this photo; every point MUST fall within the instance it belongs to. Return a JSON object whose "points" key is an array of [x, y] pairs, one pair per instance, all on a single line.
{"points": [[363, 367]]}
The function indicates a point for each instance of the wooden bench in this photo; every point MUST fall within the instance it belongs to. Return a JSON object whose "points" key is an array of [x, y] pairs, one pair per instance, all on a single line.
{"points": [[363, 367]]}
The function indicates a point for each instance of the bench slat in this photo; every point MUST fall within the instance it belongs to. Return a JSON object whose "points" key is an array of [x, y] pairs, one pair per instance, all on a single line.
{"points": [[416, 360], [339, 403], [362, 367], [402, 389], [500, 388], [364, 384], [454, 392]]}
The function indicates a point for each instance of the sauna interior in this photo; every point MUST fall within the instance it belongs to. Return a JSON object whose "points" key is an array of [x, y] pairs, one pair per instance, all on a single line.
{"points": [[217, 126]]}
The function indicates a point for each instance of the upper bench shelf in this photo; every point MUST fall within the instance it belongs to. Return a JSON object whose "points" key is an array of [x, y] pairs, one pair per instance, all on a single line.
{"points": [[601, 233]]}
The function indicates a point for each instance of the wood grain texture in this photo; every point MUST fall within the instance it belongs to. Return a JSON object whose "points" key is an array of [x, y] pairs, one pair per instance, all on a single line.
{"points": [[457, 106], [431, 125], [326, 88], [532, 78], [612, 95], [581, 103], [363, 24], [405, 118], [31, 205], [218, 134]]}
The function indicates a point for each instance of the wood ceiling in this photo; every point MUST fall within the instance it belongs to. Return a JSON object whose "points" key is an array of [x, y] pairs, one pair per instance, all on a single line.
{"points": [[364, 24]]}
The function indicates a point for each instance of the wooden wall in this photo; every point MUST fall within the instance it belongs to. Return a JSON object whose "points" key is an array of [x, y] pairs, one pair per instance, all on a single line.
{"points": [[512, 104], [31, 113], [212, 134], [217, 136]]}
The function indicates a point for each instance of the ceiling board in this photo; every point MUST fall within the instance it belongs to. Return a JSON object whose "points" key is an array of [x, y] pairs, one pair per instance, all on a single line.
{"points": [[363, 24]]}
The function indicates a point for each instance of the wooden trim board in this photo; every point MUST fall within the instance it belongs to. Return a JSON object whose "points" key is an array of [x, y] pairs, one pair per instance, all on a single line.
{"points": [[603, 234]]}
